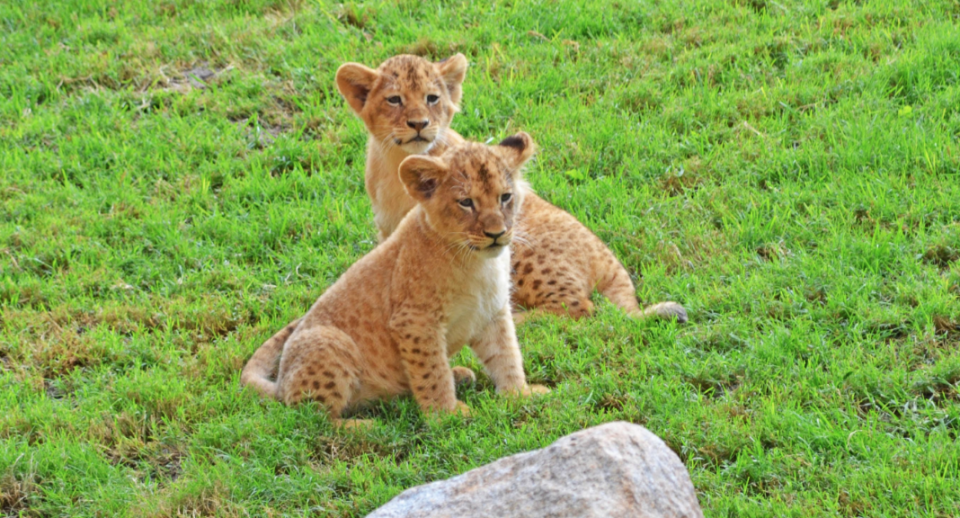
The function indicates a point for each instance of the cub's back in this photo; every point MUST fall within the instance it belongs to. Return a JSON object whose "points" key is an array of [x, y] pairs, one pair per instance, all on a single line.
{"points": [[359, 301]]}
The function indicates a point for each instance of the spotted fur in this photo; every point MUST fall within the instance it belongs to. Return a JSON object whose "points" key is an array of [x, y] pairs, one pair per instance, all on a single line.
{"points": [[558, 262], [390, 324]]}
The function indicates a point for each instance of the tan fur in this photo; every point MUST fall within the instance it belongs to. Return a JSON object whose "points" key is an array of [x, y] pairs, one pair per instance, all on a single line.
{"points": [[390, 324], [558, 262], [412, 79]]}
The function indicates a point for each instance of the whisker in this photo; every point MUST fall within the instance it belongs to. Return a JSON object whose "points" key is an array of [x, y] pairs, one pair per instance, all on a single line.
{"points": [[522, 240], [463, 257]]}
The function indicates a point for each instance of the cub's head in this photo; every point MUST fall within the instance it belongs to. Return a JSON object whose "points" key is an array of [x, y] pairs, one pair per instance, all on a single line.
{"points": [[408, 101], [471, 195]]}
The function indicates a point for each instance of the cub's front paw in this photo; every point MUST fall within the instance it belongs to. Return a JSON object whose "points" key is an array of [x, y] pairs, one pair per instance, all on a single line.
{"points": [[462, 409], [353, 424], [528, 390], [533, 390]]}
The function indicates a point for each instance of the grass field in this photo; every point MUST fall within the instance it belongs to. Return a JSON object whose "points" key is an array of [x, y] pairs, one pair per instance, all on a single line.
{"points": [[180, 178]]}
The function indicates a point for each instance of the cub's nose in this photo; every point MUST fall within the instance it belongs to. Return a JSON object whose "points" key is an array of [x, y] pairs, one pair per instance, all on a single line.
{"points": [[496, 236], [418, 125]]}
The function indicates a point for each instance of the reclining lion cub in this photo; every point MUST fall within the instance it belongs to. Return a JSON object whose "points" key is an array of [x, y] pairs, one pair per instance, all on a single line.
{"points": [[407, 105], [390, 324]]}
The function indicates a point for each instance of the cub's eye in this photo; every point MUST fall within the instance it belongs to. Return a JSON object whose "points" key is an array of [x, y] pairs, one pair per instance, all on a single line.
{"points": [[432, 99], [395, 100], [506, 197], [466, 203]]}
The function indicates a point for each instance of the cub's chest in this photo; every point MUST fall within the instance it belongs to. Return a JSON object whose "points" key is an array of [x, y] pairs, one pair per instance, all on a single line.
{"points": [[478, 298]]}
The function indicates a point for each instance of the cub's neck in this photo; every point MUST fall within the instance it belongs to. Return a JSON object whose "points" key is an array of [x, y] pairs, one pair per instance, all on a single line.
{"points": [[388, 198]]}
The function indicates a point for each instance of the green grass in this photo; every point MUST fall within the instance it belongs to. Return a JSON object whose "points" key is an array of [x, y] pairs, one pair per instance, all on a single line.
{"points": [[789, 171]]}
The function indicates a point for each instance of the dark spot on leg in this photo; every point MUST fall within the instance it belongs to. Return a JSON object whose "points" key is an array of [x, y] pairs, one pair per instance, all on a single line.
{"points": [[330, 385]]}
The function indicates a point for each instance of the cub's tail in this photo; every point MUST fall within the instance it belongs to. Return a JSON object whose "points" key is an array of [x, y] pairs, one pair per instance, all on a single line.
{"points": [[263, 364], [618, 288]]}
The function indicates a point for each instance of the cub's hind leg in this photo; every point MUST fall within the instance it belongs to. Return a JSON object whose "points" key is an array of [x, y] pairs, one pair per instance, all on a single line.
{"points": [[551, 289], [546, 279], [463, 376], [320, 363]]}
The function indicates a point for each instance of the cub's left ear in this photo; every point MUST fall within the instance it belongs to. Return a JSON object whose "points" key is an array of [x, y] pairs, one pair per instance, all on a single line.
{"points": [[454, 70], [517, 148], [421, 176]]}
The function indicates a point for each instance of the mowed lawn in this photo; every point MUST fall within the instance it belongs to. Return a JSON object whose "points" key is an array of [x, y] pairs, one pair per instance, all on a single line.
{"points": [[180, 178]]}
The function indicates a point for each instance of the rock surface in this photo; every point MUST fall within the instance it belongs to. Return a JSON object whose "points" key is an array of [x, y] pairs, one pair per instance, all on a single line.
{"points": [[613, 470]]}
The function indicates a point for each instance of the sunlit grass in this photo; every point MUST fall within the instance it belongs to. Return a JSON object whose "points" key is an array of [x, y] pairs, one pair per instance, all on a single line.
{"points": [[180, 179]]}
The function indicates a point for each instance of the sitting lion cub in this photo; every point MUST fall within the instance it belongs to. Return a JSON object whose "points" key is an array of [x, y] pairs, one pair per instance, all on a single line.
{"points": [[407, 105], [390, 324]]}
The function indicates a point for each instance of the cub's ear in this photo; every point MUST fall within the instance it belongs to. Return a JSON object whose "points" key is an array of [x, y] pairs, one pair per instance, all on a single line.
{"points": [[454, 70], [354, 82], [421, 176], [517, 148]]}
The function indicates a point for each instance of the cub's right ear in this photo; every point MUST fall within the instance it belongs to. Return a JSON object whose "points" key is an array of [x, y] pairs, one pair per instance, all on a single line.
{"points": [[421, 176], [518, 148], [354, 82]]}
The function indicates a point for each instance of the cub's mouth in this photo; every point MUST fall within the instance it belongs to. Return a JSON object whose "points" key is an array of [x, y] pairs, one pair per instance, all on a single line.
{"points": [[491, 247], [415, 140]]}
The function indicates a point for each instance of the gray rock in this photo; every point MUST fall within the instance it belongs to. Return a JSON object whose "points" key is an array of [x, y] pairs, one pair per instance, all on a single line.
{"points": [[613, 470]]}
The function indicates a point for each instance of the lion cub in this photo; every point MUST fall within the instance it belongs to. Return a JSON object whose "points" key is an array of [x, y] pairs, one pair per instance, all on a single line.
{"points": [[390, 324], [407, 105]]}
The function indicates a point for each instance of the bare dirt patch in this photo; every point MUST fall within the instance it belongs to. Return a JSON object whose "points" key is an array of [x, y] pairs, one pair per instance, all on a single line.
{"points": [[197, 77]]}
